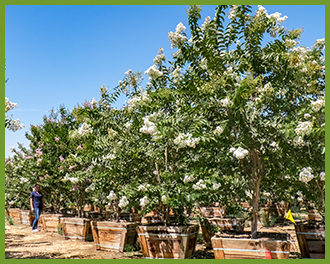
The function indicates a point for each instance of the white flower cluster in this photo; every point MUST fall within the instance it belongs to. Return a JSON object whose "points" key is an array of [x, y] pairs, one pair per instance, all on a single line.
{"points": [[9, 105], [203, 64], [218, 130], [112, 196], [144, 201], [226, 102], [142, 188], [319, 43], [239, 153], [176, 37], [322, 176], [164, 199], [216, 186], [302, 51], [138, 100], [232, 12], [184, 140], [318, 104], [153, 72], [123, 202], [200, 185], [206, 22], [93, 102], [71, 179], [276, 16], [15, 125], [274, 145], [299, 141], [11, 124], [103, 89], [90, 187], [160, 57], [304, 128], [188, 178], [82, 131], [149, 127], [176, 74], [306, 175]]}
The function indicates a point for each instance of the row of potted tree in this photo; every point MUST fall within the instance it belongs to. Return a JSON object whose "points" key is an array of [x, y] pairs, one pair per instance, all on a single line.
{"points": [[229, 119]]}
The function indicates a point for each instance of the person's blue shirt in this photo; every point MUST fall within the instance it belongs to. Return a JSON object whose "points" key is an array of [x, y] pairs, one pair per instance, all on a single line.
{"points": [[37, 199]]}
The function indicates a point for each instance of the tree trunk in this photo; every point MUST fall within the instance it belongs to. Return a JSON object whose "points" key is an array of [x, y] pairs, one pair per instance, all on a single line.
{"points": [[256, 179]]}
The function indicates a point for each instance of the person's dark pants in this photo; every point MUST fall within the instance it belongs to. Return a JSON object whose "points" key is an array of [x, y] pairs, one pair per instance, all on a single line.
{"points": [[37, 215]]}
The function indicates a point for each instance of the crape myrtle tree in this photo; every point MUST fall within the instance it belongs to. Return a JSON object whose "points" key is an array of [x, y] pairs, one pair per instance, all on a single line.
{"points": [[253, 90], [49, 143], [18, 175]]}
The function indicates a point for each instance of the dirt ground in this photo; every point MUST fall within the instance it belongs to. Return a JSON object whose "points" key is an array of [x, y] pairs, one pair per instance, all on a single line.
{"points": [[20, 243]]}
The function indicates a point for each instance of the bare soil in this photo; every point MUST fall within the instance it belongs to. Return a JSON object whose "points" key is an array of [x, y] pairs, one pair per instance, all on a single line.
{"points": [[21, 243]]}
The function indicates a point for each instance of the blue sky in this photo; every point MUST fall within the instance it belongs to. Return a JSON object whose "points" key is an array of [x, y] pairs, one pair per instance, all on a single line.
{"points": [[62, 55]]}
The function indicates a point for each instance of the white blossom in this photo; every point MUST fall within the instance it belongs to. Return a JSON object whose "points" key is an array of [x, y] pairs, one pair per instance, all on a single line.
{"points": [[304, 128], [148, 127], [164, 199], [176, 37], [160, 57], [306, 175], [112, 196], [142, 188], [90, 187], [123, 202], [307, 116], [183, 140], [240, 153], [188, 178], [216, 186], [153, 72], [318, 104], [93, 102], [138, 100], [319, 43], [218, 130], [232, 12], [226, 102], [144, 201], [200, 185], [322, 176], [206, 22]]}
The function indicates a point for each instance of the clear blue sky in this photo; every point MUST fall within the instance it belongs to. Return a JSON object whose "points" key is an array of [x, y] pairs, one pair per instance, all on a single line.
{"points": [[62, 55]]}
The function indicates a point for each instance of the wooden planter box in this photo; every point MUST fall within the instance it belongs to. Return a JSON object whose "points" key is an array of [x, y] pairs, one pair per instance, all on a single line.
{"points": [[224, 224], [76, 228], [247, 248], [26, 217], [175, 242], [113, 236], [51, 222], [311, 240], [215, 211], [314, 215], [15, 213]]}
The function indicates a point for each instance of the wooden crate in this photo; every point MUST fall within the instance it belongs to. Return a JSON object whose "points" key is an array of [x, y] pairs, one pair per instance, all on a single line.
{"points": [[15, 213], [175, 242], [314, 215], [113, 236], [223, 224], [76, 228], [26, 217], [51, 222], [233, 248], [311, 240]]}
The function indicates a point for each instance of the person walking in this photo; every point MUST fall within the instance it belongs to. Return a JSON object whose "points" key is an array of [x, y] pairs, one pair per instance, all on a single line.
{"points": [[36, 203]]}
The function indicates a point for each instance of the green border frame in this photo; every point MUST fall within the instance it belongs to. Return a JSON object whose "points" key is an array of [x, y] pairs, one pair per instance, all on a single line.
{"points": [[140, 2]]}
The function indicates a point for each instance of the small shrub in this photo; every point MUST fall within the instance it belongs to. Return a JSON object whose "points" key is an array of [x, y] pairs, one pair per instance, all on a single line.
{"points": [[10, 220]]}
